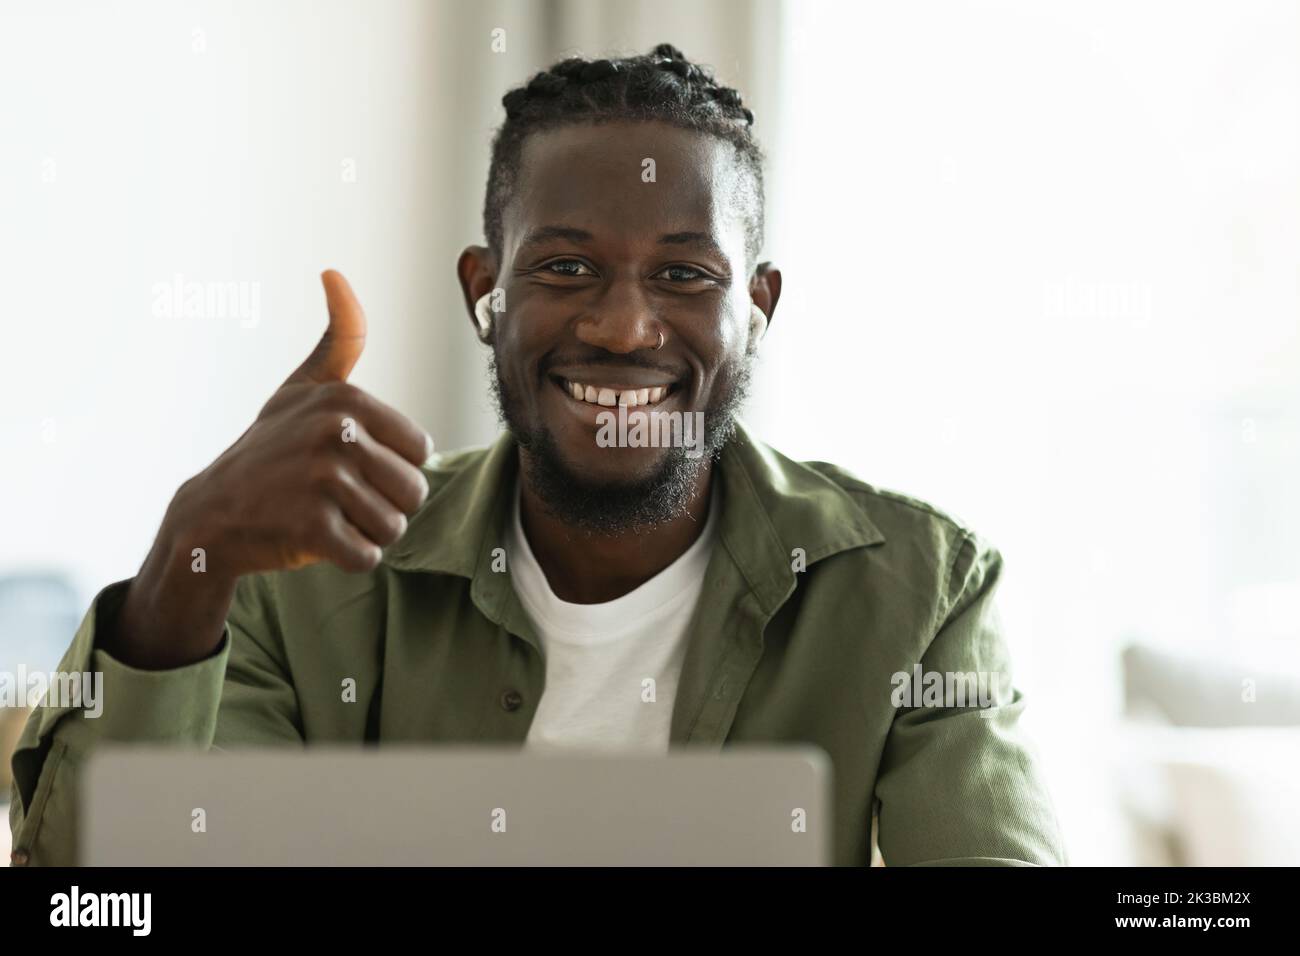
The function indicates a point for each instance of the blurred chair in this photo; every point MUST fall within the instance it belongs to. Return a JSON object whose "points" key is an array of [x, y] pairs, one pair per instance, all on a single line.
{"points": [[1206, 759]]}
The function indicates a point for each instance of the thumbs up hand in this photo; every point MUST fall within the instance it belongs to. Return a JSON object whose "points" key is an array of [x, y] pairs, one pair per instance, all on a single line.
{"points": [[325, 473]]}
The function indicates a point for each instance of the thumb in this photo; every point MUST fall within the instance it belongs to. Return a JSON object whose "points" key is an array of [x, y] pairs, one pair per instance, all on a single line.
{"points": [[345, 336]]}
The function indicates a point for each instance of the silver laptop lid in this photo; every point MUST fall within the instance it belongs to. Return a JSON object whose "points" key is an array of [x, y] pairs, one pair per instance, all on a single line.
{"points": [[455, 807]]}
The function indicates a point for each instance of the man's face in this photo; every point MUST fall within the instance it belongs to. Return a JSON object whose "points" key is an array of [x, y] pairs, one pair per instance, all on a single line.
{"points": [[596, 262]]}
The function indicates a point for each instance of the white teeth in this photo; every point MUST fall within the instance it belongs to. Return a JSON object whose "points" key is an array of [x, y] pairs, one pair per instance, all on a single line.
{"points": [[631, 397]]}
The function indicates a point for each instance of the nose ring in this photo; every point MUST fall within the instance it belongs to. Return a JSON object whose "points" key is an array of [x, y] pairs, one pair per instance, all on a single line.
{"points": [[661, 341]]}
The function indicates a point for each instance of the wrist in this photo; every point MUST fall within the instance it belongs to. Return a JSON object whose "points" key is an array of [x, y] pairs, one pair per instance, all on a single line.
{"points": [[175, 608]]}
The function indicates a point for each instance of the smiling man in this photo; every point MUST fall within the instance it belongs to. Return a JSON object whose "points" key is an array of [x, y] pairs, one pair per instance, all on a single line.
{"points": [[559, 589]]}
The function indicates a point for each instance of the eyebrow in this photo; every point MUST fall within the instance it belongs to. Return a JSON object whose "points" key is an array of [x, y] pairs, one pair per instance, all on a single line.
{"points": [[573, 234], [546, 233], [702, 239]]}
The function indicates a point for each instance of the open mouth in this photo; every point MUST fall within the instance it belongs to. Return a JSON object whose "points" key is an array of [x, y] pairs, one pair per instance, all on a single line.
{"points": [[611, 395]]}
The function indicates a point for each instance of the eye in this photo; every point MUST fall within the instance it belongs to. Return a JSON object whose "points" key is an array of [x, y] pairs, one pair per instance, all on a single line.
{"points": [[560, 267], [683, 274]]}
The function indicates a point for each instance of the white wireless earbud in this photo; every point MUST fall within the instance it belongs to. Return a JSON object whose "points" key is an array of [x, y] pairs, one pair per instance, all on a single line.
{"points": [[483, 315], [757, 323]]}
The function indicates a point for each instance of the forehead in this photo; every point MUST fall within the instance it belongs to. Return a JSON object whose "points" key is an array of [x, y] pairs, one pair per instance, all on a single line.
{"points": [[593, 177]]}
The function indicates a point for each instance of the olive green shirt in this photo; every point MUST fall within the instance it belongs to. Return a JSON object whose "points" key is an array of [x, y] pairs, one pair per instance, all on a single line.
{"points": [[819, 590]]}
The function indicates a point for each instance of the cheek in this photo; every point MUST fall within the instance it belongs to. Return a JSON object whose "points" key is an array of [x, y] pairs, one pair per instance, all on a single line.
{"points": [[523, 341], [513, 366], [518, 342], [728, 339], [530, 324]]}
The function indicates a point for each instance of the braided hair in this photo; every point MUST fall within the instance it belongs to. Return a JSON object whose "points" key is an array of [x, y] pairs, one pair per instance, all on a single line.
{"points": [[661, 85]]}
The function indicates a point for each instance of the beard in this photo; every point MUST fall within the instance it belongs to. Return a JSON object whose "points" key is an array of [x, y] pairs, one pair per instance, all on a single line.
{"points": [[617, 507]]}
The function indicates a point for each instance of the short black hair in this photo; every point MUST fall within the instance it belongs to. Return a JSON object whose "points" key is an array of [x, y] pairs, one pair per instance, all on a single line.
{"points": [[662, 85]]}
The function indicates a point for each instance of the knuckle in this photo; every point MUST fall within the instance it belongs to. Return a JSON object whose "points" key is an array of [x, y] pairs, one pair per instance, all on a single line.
{"points": [[368, 556], [324, 525], [392, 527], [345, 548], [419, 483], [339, 393], [362, 559], [415, 488], [328, 474], [333, 430]]}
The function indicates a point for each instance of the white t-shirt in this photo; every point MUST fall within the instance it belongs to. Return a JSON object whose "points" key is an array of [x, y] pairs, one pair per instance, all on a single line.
{"points": [[600, 658]]}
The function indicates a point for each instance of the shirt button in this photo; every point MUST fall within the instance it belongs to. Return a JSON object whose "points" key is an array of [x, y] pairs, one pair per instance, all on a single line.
{"points": [[19, 857], [511, 700]]}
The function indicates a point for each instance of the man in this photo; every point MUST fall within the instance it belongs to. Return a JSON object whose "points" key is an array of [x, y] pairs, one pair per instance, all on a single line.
{"points": [[571, 586]]}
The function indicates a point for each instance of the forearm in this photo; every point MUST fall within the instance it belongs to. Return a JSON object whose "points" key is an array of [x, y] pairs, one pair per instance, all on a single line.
{"points": [[175, 608]]}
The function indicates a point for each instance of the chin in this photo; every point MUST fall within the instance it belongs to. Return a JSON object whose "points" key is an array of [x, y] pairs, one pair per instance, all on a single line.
{"points": [[592, 466]]}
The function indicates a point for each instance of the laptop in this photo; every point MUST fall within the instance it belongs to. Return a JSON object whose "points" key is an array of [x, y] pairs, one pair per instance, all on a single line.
{"points": [[407, 806]]}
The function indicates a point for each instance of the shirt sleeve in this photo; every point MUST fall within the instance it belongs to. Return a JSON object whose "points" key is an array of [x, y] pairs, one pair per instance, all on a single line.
{"points": [[960, 785], [240, 694]]}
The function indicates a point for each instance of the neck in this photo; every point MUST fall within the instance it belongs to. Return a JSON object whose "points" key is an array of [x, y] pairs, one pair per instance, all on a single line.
{"points": [[586, 568]]}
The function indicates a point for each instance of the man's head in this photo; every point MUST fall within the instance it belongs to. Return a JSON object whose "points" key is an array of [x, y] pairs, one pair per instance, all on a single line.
{"points": [[624, 220]]}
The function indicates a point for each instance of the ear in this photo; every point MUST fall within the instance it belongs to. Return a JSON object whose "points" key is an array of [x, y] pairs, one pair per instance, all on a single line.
{"points": [[477, 271], [765, 289]]}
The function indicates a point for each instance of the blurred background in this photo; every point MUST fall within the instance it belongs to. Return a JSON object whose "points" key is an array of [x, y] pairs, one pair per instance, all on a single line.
{"points": [[1042, 269]]}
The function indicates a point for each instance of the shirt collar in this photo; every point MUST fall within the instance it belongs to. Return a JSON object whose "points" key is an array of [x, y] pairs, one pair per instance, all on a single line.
{"points": [[770, 507]]}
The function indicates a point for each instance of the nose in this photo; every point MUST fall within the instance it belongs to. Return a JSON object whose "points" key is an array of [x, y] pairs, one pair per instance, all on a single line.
{"points": [[620, 321]]}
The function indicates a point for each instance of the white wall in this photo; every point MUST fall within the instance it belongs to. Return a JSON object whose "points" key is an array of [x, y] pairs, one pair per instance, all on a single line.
{"points": [[1040, 265], [152, 140]]}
